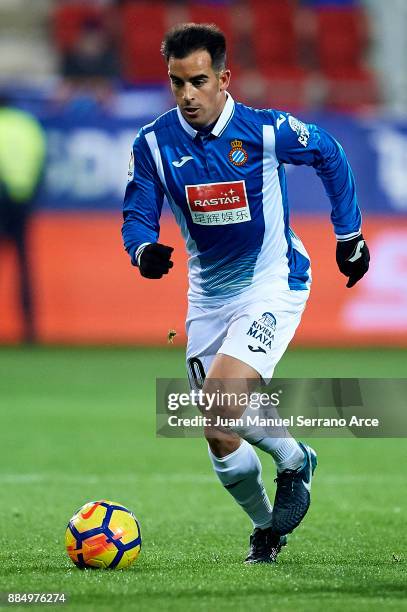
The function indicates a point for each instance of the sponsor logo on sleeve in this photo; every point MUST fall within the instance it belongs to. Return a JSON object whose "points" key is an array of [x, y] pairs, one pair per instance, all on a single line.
{"points": [[218, 203], [130, 173], [300, 128]]}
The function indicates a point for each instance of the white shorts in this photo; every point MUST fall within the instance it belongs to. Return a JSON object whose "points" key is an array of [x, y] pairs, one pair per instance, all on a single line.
{"points": [[255, 329]]}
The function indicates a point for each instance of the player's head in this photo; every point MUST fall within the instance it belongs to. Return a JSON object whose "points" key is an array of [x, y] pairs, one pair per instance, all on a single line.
{"points": [[196, 58]]}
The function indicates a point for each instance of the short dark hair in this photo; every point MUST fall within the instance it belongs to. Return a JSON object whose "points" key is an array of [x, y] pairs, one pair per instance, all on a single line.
{"points": [[185, 38]]}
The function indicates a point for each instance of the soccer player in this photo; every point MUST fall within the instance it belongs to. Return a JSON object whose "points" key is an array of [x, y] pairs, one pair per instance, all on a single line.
{"points": [[220, 165]]}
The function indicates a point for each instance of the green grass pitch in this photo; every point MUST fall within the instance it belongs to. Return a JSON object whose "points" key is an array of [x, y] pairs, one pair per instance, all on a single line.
{"points": [[79, 424]]}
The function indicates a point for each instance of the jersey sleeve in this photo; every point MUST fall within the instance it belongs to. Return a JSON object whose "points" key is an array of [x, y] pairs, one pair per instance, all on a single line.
{"points": [[301, 143], [143, 200]]}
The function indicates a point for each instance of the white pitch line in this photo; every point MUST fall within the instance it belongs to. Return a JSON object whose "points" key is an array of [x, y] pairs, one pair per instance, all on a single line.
{"points": [[190, 478], [38, 478]]}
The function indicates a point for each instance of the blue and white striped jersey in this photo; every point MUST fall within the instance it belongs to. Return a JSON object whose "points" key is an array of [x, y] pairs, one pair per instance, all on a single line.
{"points": [[227, 191]]}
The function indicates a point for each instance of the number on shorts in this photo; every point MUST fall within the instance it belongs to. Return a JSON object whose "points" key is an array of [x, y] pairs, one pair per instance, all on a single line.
{"points": [[197, 372]]}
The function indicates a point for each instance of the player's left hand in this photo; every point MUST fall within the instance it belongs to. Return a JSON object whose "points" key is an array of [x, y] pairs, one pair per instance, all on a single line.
{"points": [[352, 257]]}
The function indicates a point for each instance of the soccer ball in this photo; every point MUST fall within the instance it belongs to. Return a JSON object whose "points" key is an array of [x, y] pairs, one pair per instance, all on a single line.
{"points": [[103, 534]]}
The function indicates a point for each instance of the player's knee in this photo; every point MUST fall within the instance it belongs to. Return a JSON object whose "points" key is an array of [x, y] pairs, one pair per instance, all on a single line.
{"points": [[220, 399], [220, 442]]}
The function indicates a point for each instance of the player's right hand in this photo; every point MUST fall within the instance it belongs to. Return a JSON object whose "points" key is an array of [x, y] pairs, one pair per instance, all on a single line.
{"points": [[155, 260]]}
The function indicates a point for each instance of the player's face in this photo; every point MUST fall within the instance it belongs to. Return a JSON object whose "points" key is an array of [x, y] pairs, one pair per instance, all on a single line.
{"points": [[198, 89]]}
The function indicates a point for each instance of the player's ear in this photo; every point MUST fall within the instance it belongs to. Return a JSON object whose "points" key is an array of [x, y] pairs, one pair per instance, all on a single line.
{"points": [[224, 80]]}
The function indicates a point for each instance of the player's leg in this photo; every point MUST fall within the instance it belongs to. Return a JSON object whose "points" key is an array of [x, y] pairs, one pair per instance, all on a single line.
{"points": [[234, 461], [233, 375], [240, 471], [258, 336]]}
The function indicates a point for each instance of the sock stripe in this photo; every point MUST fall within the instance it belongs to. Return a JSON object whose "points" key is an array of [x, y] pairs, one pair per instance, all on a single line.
{"points": [[234, 484]]}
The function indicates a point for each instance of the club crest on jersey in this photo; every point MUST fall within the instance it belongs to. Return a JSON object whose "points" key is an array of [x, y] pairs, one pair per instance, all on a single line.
{"points": [[237, 155]]}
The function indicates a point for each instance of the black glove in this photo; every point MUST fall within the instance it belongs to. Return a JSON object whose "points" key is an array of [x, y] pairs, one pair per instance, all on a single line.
{"points": [[352, 257], [154, 260]]}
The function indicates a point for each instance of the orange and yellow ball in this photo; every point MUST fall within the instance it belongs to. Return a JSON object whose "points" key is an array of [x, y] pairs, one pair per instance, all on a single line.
{"points": [[103, 534]]}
